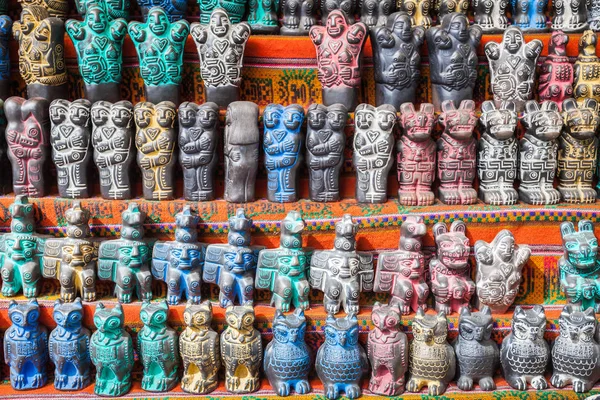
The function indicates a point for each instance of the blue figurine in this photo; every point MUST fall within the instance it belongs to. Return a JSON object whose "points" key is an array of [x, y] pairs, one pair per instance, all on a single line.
{"points": [[69, 347], [5, 34], [179, 263], [529, 15], [26, 346], [175, 9], [283, 142]]}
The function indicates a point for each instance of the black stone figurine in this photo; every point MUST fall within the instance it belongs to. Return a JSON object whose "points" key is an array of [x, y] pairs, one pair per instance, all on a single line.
{"points": [[376, 12], [490, 15], [298, 17], [5, 173], [346, 6], [445, 7]]}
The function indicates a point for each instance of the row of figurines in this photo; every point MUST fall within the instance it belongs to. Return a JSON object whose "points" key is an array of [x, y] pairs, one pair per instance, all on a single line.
{"points": [[341, 361]]}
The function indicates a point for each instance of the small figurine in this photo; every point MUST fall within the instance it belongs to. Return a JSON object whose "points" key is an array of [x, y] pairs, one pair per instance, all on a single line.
{"points": [[341, 361], [594, 15], [70, 138], [347, 7], [586, 83], [55, 8], [445, 7], [241, 349], [5, 33], [529, 15], [477, 355], [397, 61], [339, 46], [159, 45], [111, 351], [236, 9], [374, 13], [325, 142], [524, 354], [456, 153], [418, 10], [499, 271], [241, 151], [432, 361], [283, 143], [155, 140], [453, 59], [27, 138], [179, 263], [262, 16], [287, 360], [490, 15], [114, 9], [416, 155], [68, 346], [556, 73], [298, 17], [570, 16], [98, 41], [388, 351], [221, 50], [198, 144], [199, 347], [112, 139], [175, 10], [578, 150], [126, 261], [450, 268], [342, 273], [26, 346], [6, 186], [232, 266]]}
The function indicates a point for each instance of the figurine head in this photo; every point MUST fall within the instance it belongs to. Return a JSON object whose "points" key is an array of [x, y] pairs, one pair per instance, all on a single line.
{"points": [[293, 116], [31, 16], [166, 114], [345, 233], [513, 39], [158, 21], [291, 328], [341, 332], [337, 116], [580, 247], [59, 109], [400, 23], [68, 316], [208, 115], [430, 329], [109, 321], [544, 121], [411, 233], [154, 315], [198, 316], [452, 245], [457, 26], [240, 318], [364, 116], [121, 113], [79, 112], [337, 24], [239, 229], [96, 19], [291, 230], [187, 114], [316, 116], [186, 222], [21, 211], [558, 43], [24, 315], [143, 113], [386, 318], [529, 324], [219, 22], [504, 245], [417, 125], [587, 43], [272, 115], [577, 326], [460, 122], [101, 111], [476, 326], [386, 117], [132, 227], [581, 121], [77, 221], [499, 123]]}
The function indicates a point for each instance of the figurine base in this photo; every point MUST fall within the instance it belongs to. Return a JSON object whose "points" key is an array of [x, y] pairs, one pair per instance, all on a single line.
{"points": [[292, 32], [103, 92], [568, 30], [4, 89], [439, 95], [535, 30], [156, 94], [264, 29], [344, 95], [49, 93], [396, 98], [222, 95]]}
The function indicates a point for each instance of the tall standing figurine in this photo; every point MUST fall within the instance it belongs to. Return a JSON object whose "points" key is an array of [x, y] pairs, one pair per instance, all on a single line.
{"points": [[570, 16], [490, 15], [221, 50], [342, 273], [155, 140], [346, 7], [5, 33], [114, 8], [175, 9], [529, 15], [298, 17], [418, 10], [262, 16], [5, 173], [594, 15], [198, 144], [376, 12], [55, 8], [98, 41], [396, 59], [586, 83], [339, 47], [159, 45], [556, 73], [445, 7], [236, 9]]}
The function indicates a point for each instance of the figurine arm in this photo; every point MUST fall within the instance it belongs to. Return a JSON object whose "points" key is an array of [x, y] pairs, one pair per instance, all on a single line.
{"points": [[317, 34], [384, 37], [418, 36], [181, 31], [118, 29], [137, 34], [240, 33], [492, 51], [533, 49], [439, 38], [199, 33], [73, 28]]}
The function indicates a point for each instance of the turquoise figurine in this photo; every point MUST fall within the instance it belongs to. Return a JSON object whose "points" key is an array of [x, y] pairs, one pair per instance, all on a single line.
{"points": [[175, 9], [262, 16], [5, 34], [114, 8]]}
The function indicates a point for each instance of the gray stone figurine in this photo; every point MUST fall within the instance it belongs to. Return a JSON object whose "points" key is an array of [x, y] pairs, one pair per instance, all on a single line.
{"points": [[570, 16], [375, 12], [298, 17], [594, 15], [345, 6], [490, 15], [445, 7]]}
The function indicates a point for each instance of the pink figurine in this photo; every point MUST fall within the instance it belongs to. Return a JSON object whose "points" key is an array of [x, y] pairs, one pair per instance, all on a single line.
{"points": [[556, 76]]}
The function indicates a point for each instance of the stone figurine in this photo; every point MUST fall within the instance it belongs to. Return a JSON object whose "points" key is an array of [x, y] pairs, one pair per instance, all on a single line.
{"points": [[586, 82], [401, 273], [221, 50], [69, 347], [175, 10], [198, 144], [342, 273], [570, 16], [298, 17], [113, 8], [453, 59], [347, 7], [71, 138], [490, 15], [6, 185], [339, 47], [55, 8], [524, 353], [376, 12], [236, 9], [5, 33], [155, 139], [287, 360], [529, 15], [325, 142], [396, 59], [445, 7], [556, 73], [159, 44], [418, 10], [594, 15], [262, 16], [27, 139], [387, 348]]}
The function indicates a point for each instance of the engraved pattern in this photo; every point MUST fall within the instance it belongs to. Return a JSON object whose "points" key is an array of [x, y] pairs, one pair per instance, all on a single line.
{"points": [[557, 73]]}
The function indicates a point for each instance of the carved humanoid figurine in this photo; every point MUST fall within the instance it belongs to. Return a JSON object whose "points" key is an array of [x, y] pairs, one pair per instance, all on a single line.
{"points": [[342, 273], [241, 151], [283, 142], [418, 10], [456, 153], [98, 41], [126, 261], [174, 9], [221, 50], [445, 7], [376, 12], [27, 139], [396, 59], [298, 17], [5, 33], [232, 266], [594, 15], [416, 155], [262, 16], [26, 346], [179, 263], [111, 351], [570, 16], [347, 7], [113, 8], [5, 173], [339, 46], [325, 142], [401, 273], [529, 15], [155, 140], [198, 144], [450, 268], [55, 8], [159, 45], [586, 83], [69, 347], [284, 271], [577, 151], [490, 15], [556, 73], [241, 349]]}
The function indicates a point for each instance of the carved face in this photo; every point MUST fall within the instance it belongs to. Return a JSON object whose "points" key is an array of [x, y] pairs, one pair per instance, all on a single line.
{"points": [[158, 22], [79, 114], [198, 316], [154, 315], [453, 246], [165, 115], [292, 118], [134, 256], [58, 112], [403, 27], [187, 115], [385, 119], [337, 119], [545, 123], [290, 329], [501, 124], [109, 321], [506, 248], [208, 117], [28, 21], [476, 326], [581, 122], [24, 315], [558, 43], [219, 23], [581, 248], [336, 25], [529, 324], [364, 118], [100, 113], [459, 124], [341, 332], [143, 116], [78, 254], [418, 125], [513, 40], [96, 19], [240, 258], [577, 326], [121, 116], [184, 256], [459, 28], [587, 43], [240, 318], [272, 116], [68, 315], [21, 248], [386, 318], [430, 329], [316, 118]]}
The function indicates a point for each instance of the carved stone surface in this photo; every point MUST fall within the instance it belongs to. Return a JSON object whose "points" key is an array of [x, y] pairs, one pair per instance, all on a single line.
{"points": [[456, 153], [5, 34], [262, 16], [376, 12], [587, 69], [419, 11], [529, 15], [342, 273], [159, 45], [490, 15], [113, 8], [347, 7], [221, 50], [594, 15], [339, 47], [54, 8], [156, 139], [198, 144], [445, 7], [298, 17], [556, 73], [27, 138], [570, 16], [453, 59], [234, 8], [5, 173], [397, 61], [174, 9]]}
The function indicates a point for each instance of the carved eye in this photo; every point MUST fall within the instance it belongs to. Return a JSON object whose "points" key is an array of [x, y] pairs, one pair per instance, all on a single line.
{"points": [[248, 320], [391, 322]]}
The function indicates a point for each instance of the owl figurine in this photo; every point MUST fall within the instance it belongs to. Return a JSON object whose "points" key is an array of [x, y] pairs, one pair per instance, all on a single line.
{"points": [[287, 360], [341, 360]]}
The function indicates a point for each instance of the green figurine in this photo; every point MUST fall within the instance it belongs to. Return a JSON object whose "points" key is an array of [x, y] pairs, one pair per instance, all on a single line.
{"points": [[235, 9], [263, 16]]}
